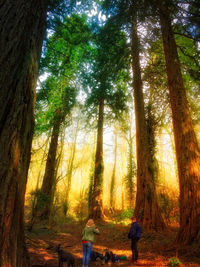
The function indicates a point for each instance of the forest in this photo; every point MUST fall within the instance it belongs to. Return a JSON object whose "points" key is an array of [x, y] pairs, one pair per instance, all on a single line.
{"points": [[99, 119]]}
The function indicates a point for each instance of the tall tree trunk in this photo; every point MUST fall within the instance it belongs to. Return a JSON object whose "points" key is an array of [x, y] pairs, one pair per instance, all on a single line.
{"points": [[113, 178], [34, 202], [56, 179], [187, 150], [96, 210], [49, 175], [22, 25], [131, 171], [146, 209], [162, 165], [71, 163], [91, 177], [54, 187]]}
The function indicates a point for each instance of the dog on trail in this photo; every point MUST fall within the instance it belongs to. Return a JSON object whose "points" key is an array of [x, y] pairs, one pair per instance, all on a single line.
{"points": [[110, 256], [95, 255], [107, 257], [64, 256]]}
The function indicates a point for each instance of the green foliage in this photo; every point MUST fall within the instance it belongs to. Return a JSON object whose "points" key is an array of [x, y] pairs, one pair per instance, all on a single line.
{"points": [[67, 47], [109, 75], [120, 216], [58, 9], [62, 62], [174, 262], [126, 214], [51, 98], [188, 55]]}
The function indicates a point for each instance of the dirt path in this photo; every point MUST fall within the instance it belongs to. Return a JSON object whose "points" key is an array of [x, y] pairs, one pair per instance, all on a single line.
{"points": [[153, 250]]}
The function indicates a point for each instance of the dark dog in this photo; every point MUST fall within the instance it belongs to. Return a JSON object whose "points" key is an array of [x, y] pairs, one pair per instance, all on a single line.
{"points": [[64, 256], [110, 256], [95, 255], [114, 258], [107, 257]]}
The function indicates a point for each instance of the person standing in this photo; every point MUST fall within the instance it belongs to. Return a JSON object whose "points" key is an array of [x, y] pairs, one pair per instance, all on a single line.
{"points": [[134, 234], [87, 239]]}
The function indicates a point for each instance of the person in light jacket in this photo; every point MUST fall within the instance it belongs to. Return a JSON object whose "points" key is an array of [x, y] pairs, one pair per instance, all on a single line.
{"points": [[88, 238]]}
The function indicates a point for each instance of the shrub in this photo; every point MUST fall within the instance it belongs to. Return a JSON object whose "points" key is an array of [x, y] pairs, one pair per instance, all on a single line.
{"points": [[174, 262], [122, 215], [126, 214]]}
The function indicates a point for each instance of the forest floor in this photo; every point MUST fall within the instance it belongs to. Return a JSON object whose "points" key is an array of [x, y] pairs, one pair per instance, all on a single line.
{"points": [[154, 249]]}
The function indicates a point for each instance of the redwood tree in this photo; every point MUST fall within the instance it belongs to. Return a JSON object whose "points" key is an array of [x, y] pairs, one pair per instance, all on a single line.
{"points": [[146, 208], [22, 27], [108, 96], [63, 100], [96, 208], [128, 14], [58, 93], [187, 149], [49, 175]]}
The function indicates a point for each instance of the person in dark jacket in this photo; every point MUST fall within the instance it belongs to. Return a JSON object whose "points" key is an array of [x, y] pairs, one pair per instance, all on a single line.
{"points": [[134, 234]]}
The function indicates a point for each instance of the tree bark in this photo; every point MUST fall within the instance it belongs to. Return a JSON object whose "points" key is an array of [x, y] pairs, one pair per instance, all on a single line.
{"points": [[22, 25], [146, 209], [187, 150], [131, 169], [71, 163], [96, 210], [91, 177], [34, 205], [49, 175], [113, 178]]}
